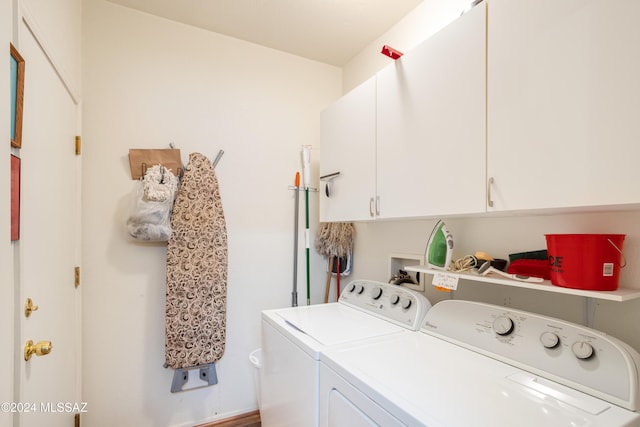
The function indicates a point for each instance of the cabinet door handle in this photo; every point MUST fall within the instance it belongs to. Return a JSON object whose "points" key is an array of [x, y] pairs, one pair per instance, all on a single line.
{"points": [[489, 184], [371, 212]]}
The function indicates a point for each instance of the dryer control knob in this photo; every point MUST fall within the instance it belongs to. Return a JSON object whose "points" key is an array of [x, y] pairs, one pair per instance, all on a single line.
{"points": [[549, 339], [352, 287], [377, 293], [406, 303], [395, 299], [582, 350], [503, 325], [360, 289]]}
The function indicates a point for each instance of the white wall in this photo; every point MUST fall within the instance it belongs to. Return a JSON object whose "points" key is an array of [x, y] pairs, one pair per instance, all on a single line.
{"points": [[426, 19], [499, 236], [148, 82]]}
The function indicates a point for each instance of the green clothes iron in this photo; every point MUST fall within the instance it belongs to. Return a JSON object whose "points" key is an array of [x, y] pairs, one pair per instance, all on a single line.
{"points": [[439, 248]]}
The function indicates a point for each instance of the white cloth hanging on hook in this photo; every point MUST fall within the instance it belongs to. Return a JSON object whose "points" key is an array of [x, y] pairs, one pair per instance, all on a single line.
{"points": [[159, 184], [150, 216]]}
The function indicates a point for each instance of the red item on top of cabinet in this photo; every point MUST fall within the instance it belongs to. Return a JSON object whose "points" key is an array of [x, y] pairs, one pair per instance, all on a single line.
{"points": [[391, 52]]}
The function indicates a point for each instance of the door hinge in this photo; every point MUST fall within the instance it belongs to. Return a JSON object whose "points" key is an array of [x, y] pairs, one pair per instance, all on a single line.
{"points": [[78, 145], [76, 276], [76, 420]]}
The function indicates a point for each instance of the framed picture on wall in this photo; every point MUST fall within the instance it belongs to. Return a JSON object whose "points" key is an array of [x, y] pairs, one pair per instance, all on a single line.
{"points": [[15, 197], [17, 96]]}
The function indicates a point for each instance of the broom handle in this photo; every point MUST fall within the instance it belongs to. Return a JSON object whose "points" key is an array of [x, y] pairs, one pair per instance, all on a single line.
{"points": [[294, 293], [327, 287], [338, 279], [306, 196], [306, 171]]}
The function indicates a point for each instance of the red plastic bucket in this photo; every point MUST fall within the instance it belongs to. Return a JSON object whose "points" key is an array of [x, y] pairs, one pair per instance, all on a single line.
{"points": [[585, 261]]}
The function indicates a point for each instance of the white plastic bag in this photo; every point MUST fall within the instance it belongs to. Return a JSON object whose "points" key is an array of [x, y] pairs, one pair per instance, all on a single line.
{"points": [[150, 216]]}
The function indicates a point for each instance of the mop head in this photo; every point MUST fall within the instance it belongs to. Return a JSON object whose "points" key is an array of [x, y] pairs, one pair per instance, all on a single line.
{"points": [[334, 239], [159, 184]]}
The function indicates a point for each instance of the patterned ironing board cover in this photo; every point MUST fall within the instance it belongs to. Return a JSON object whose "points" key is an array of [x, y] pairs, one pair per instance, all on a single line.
{"points": [[195, 320]]}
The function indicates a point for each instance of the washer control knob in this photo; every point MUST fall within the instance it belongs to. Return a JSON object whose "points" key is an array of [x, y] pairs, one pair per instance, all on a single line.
{"points": [[549, 339], [582, 350], [360, 289], [503, 325], [352, 287], [395, 299], [377, 293], [406, 303]]}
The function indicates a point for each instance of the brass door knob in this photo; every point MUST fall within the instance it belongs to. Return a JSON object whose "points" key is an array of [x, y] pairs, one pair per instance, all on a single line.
{"points": [[40, 349]]}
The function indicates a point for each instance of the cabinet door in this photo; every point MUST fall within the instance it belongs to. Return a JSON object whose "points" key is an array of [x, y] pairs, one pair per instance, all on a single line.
{"points": [[348, 138], [431, 124], [563, 103]]}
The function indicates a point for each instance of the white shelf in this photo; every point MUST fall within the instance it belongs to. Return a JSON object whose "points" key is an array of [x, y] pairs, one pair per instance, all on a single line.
{"points": [[621, 294]]}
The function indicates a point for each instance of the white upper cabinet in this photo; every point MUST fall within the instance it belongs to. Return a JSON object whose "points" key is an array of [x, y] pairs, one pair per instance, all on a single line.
{"points": [[518, 105], [348, 141], [563, 103], [431, 124]]}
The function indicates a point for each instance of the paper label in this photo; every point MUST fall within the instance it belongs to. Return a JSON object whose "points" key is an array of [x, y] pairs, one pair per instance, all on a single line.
{"points": [[445, 280]]}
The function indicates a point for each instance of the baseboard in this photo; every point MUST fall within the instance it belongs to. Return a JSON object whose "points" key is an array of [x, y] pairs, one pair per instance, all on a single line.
{"points": [[250, 419]]}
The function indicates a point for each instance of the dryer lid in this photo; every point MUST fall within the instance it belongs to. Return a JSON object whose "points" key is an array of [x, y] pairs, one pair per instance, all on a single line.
{"points": [[332, 324]]}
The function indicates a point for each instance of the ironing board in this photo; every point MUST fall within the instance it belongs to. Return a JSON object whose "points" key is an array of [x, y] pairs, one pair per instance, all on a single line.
{"points": [[195, 320]]}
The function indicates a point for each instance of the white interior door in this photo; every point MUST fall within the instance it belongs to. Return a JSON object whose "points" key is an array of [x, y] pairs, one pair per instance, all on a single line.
{"points": [[48, 245]]}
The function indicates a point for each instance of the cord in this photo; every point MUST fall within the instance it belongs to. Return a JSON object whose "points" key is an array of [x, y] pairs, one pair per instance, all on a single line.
{"points": [[463, 264]]}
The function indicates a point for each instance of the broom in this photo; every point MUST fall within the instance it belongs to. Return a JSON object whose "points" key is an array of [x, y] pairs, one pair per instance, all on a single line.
{"points": [[334, 240]]}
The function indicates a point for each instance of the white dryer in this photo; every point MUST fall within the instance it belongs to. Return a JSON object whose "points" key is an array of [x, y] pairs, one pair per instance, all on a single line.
{"points": [[293, 339], [475, 364]]}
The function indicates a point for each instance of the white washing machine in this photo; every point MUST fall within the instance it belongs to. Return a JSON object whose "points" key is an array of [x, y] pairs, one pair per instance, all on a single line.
{"points": [[293, 339], [475, 364]]}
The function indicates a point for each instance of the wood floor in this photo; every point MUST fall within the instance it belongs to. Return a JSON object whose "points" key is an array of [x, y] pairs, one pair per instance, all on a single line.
{"points": [[250, 419]]}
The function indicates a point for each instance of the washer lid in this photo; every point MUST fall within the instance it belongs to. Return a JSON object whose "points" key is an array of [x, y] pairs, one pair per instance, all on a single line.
{"points": [[419, 378], [332, 324]]}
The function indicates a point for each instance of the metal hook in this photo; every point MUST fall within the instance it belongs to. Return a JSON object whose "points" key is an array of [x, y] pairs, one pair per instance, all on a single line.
{"points": [[217, 159]]}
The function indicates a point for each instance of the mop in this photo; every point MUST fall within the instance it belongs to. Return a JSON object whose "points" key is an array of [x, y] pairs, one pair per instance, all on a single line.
{"points": [[334, 240]]}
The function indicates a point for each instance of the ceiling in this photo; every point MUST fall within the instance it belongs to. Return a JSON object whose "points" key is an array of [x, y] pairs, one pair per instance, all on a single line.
{"points": [[329, 31]]}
